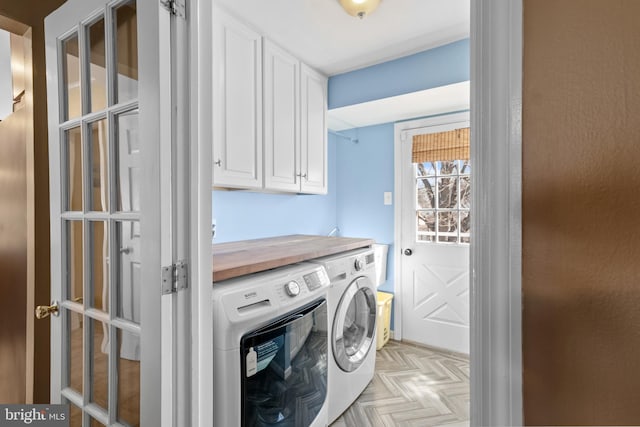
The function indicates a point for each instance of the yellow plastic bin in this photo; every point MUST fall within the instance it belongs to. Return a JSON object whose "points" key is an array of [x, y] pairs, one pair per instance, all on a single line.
{"points": [[383, 321]]}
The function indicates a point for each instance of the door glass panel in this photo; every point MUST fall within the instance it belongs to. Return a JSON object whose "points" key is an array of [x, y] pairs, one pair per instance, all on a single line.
{"points": [[96, 423], [448, 226], [448, 167], [128, 378], [97, 65], [126, 50], [128, 246], [75, 244], [73, 162], [75, 350], [99, 239], [99, 363], [75, 416], [465, 192], [426, 226], [465, 226], [98, 159], [425, 193], [465, 167], [448, 193], [71, 78], [426, 169], [128, 162]]}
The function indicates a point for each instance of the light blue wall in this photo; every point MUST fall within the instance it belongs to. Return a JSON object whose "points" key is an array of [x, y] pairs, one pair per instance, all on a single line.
{"points": [[364, 173], [441, 66], [242, 215]]}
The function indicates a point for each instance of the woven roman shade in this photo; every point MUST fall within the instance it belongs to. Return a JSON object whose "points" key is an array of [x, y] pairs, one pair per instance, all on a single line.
{"points": [[437, 147]]}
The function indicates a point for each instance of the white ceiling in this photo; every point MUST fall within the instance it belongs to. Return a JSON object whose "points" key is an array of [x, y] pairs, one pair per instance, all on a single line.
{"points": [[439, 100], [322, 35]]}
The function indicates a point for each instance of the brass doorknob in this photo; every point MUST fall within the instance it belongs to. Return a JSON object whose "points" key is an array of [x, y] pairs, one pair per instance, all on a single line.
{"points": [[43, 311]]}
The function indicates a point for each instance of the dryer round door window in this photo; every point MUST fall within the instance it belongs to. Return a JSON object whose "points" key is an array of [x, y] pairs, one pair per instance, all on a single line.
{"points": [[354, 325]]}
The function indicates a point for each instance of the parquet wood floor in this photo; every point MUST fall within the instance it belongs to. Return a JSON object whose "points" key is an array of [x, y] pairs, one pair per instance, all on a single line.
{"points": [[413, 387]]}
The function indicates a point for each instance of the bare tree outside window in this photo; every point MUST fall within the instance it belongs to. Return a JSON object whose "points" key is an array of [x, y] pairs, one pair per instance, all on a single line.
{"points": [[443, 201]]}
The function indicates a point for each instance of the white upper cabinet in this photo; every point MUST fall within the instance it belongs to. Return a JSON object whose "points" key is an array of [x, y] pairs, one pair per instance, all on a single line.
{"points": [[269, 113], [237, 104], [313, 126], [295, 132], [281, 119]]}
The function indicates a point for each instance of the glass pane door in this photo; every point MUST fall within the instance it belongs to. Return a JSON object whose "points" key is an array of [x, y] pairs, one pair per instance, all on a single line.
{"points": [[96, 211]]}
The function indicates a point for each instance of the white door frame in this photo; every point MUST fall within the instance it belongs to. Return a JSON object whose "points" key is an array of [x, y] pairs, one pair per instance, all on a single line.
{"points": [[496, 213], [199, 18], [496, 249]]}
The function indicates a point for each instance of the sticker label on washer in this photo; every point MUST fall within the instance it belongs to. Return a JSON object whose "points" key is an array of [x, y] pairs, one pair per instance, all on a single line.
{"points": [[252, 362], [267, 351], [260, 356]]}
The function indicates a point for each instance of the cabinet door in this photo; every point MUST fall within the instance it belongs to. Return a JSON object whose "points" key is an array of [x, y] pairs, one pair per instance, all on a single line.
{"points": [[237, 104], [313, 125], [281, 120]]}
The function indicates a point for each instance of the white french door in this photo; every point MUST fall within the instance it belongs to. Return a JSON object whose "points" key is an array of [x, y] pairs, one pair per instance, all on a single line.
{"points": [[434, 260], [112, 223]]}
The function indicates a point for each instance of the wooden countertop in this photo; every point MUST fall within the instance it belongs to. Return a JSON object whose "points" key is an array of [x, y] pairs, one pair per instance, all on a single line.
{"points": [[235, 259]]}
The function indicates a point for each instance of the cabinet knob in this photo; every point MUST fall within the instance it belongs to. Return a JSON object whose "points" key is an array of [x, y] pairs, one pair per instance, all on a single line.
{"points": [[305, 177], [219, 162]]}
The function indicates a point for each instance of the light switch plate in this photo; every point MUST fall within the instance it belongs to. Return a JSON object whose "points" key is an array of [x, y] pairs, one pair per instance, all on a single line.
{"points": [[387, 198]]}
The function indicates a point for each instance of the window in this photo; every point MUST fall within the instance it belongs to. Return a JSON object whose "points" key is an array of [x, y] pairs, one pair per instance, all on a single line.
{"points": [[443, 201]]}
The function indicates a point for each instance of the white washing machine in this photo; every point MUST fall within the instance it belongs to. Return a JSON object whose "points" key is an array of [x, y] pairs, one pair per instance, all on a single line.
{"points": [[352, 326], [270, 337]]}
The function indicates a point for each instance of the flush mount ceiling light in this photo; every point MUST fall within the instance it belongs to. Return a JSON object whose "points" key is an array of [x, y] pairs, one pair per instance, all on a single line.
{"points": [[359, 8]]}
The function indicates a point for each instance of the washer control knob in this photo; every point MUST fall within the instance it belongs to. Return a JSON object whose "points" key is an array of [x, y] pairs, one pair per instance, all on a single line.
{"points": [[359, 264], [292, 288]]}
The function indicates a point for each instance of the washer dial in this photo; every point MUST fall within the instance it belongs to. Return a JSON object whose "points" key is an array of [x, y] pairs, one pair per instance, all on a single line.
{"points": [[292, 288]]}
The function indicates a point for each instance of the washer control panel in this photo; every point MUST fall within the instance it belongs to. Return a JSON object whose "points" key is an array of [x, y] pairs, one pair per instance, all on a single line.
{"points": [[292, 288], [317, 279], [362, 262], [303, 284]]}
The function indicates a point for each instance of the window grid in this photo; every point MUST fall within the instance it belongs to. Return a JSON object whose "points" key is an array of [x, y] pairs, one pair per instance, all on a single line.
{"points": [[442, 202]]}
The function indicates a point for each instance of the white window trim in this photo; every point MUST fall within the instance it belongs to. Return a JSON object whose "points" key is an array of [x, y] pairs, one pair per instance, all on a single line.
{"points": [[436, 209]]}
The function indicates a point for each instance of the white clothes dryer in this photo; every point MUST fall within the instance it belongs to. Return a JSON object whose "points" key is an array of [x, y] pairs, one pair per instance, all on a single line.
{"points": [[270, 337], [352, 326]]}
